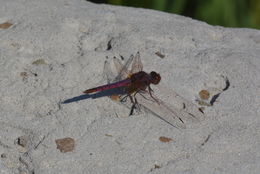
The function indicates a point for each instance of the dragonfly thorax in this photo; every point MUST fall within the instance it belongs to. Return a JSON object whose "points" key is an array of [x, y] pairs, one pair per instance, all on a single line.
{"points": [[155, 78]]}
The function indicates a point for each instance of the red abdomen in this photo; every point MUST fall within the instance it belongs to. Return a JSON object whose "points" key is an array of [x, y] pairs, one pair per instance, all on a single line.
{"points": [[122, 83]]}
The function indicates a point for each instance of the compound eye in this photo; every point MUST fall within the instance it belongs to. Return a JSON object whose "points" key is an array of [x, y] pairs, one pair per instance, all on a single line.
{"points": [[153, 74], [156, 78]]}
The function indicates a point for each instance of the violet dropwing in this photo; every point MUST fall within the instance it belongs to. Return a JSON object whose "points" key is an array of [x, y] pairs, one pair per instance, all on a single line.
{"points": [[136, 93]]}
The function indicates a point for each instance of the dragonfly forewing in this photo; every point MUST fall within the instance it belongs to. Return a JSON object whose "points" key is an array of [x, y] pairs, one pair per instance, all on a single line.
{"points": [[137, 64], [122, 69], [167, 113], [190, 110], [108, 74]]}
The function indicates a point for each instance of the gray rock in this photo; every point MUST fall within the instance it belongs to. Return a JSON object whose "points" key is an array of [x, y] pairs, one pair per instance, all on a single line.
{"points": [[52, 50]]}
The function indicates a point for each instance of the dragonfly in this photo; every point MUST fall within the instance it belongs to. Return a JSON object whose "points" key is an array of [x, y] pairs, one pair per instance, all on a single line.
{"points": [[135, 84]]}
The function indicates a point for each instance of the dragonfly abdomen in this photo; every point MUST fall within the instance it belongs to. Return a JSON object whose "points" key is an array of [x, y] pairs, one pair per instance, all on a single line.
{"points": [[109, 86]]}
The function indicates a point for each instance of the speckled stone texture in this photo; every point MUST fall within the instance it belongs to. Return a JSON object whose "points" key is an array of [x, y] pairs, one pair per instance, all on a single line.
{"points": [[53, 50]]}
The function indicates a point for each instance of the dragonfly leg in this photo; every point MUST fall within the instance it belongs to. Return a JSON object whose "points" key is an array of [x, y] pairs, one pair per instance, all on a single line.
{"points": [[132, 100], [133, 106], [150, 89], [132, 110], [136, 102], [150, 92], [124, 98]]}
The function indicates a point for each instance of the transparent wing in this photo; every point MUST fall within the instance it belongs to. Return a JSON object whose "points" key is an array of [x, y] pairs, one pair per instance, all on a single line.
{"points": [[122, 70], [168, 114], [137, 65], [190, 110], [107, 73], [173, 114], [107, 76]]}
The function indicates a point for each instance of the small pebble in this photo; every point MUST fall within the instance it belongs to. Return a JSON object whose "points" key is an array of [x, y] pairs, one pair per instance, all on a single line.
{"points": [[204, 94], [65, 144]]}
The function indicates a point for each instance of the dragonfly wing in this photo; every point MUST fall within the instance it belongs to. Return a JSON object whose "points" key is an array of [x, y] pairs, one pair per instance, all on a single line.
{"points": [[107, 73], [137, 65], [184, 105], [122, 69], [170, 115]]}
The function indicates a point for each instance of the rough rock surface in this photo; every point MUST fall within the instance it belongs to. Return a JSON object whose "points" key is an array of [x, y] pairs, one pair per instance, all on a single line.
{"points": [[52, 50]]}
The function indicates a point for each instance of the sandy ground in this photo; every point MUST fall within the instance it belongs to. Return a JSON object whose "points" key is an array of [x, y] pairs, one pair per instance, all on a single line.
{"points": [[53, 50]]}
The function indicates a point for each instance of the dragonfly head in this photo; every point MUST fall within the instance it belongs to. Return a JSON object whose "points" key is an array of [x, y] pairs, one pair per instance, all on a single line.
{"points": [[155, 77]]}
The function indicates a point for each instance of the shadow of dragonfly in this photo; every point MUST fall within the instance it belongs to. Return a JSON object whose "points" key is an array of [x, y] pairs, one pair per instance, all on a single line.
{"points": [[105, 93]]}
